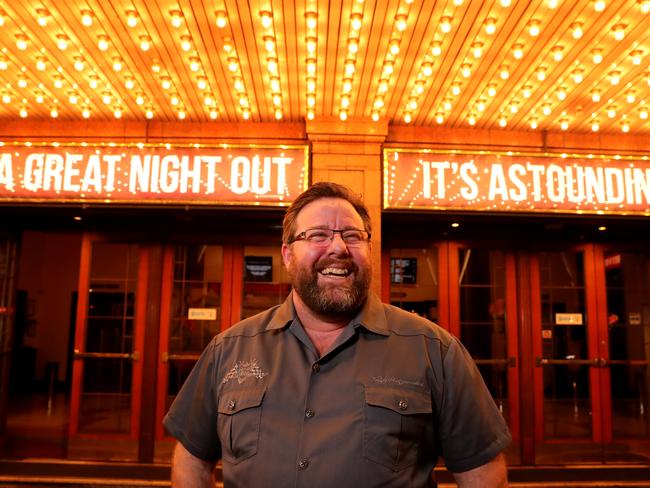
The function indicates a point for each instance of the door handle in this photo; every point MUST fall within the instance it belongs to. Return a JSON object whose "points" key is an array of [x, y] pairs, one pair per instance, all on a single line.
{"points": [[539, 362], [134, 356], [179, 357], [623, 362]]}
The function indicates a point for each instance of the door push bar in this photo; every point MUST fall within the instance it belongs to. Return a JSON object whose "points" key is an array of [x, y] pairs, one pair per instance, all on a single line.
{"points": [[509, 362], [596, 362], [166, 357], [134, 356]]}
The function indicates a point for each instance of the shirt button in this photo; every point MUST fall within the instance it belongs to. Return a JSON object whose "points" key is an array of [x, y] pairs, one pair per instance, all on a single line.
{"points": [[303, 463], [232, 404], [403, 405], [309, 413], [315, 367]]}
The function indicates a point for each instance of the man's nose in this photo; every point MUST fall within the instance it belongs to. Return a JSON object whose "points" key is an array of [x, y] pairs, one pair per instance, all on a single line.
{"points": [[338, 245]]}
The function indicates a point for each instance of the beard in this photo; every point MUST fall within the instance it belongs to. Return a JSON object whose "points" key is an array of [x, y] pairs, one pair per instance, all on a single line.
{"points": [[331, 300]]}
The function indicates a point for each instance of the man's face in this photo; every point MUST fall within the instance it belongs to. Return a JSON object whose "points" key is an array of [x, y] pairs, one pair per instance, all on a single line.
{"points": [[332, 280]]}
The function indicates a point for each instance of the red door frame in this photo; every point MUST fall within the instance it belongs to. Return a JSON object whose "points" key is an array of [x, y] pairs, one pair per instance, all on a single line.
{"points": [[80, 336]]}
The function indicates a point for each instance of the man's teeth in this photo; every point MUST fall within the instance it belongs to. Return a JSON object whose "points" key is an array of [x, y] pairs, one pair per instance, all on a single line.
{"points": [[335, 271]]}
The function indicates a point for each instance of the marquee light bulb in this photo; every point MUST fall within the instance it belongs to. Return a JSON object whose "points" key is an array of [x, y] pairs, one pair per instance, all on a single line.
{"points": [[86, 18], [221, 19], [436, 48], [41, 16], [355, 22], [267, 18], [597, 56], [445, 25], [21, 42], [102, 43], [400, 23], [619, 32], [576, 30], [599, 5], [533, 28], [311, 19], [490, 26], [176, 18], [131, 18]]}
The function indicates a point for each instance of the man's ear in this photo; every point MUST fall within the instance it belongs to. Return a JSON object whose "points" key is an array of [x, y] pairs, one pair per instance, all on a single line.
{"points": [[286, 254]]}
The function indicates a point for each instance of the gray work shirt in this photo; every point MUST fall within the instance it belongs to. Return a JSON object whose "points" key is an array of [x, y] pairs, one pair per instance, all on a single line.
{"points": [[393, 394]]}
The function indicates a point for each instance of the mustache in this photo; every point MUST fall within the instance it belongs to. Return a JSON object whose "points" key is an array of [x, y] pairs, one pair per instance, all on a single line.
{"points": [[329, 261]]}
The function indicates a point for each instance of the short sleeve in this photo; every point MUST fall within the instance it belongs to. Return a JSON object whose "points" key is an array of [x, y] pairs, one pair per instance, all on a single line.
{"points": [[192, 417], [472, 430]]}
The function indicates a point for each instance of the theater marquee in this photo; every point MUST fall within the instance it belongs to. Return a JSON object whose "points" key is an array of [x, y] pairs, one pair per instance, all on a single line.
{"points": [[513, 182], [138, 173]]}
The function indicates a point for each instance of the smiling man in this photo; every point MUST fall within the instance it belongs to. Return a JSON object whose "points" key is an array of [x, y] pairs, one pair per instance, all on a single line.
{"points": [[334, 388]]}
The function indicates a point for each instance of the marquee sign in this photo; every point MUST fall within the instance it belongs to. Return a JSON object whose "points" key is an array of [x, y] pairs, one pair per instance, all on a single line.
{"points": [[138, 173], [511, 182]]}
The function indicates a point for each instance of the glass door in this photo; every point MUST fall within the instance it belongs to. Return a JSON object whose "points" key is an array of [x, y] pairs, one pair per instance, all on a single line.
{"points": [[109, 336], [7, 276]]}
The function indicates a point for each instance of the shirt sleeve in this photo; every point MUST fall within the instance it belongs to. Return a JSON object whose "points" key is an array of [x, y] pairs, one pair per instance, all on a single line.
{"points": [[472, 430], [192, 417]]}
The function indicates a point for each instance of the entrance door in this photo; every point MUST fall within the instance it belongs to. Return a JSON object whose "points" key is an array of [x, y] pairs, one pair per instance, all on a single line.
{"points": [[109, 337]]}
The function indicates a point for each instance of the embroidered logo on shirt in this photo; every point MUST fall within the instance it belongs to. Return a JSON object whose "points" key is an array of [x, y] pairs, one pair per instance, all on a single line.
{"points": [[382, 380], [243, 370]]}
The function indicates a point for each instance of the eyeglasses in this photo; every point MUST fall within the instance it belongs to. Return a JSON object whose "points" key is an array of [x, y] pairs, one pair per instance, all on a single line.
{"points": [[323, 237]]}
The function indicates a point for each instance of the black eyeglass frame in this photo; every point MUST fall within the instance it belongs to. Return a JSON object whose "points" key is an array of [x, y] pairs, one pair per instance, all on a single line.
{"points": [[302, 236]]}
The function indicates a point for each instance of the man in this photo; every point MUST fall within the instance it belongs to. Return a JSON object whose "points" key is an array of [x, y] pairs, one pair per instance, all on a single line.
{"points": [[333, 388]]}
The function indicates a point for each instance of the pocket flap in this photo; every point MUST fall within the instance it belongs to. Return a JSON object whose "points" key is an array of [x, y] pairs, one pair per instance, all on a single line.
{"points": [[235, 401], [401, 400]]}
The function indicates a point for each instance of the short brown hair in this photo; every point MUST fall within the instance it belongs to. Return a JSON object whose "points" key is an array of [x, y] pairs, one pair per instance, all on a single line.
{"points": [[323, 189]]}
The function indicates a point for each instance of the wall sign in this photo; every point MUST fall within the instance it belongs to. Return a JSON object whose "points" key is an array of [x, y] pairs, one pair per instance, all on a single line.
{"points": [[138, 173], [516, 182]]}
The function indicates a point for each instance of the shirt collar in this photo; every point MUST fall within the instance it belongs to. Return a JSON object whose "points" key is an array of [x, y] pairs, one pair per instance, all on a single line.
{"points": [[370, 317]]}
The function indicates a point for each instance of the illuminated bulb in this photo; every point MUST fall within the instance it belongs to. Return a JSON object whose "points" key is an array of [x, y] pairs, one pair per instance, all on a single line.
{"points": [[2, 19], [595, 126], [208, 100], [636, 57], [310, 114], [166, 83], [155, 66], [233, 65], [277, 100], [149, 113], [272, 65], [311, 19], [58, 82], [278, 114], [412, 104], [471, 119], [445, 25], [506, 3], [6, 98], [427, 69], [174, 100], [375, 116], [440, 118], [139, 99], [311, 85], [311, 44], [561, 93], [117, 64], [23, 112], [599, 5], [611, 112], [41, 65], [311, 101], [504, 73], [597, 56], [625, 127], [615, 77], [62, 42], [186, 43], [644, 6], [227, 45], [557, 53], [311, 66], [54, 113], [267, 19], [630, 97], [490, 26], [533, 28], [345, 101], [418, 88], [131, 18], [349, 67], [106, 98], [275, 84], [393, 46], [347, 85], [407, 118], [492, 90], [503, 122], [514, 107], [458, 3], [79, 64], [343, 115], [466, 70], [382, 86], [643, 114], [86, 18], [436, 48], [477, 49], [533, 123], [455, 89], [388, 68], [619, 32], [400, 23], [3, 63], [93, 81], [41, 16], [202, 83], [21, 42], [355, 22], [117, 113], [243, 101], [221, 19], [353, 46], [73, 98], [195, 64], [546, 110], [595, 96], [176, 18], [22, 82], [182, 114], [446, 104], [576, 30], [39, 97], [552, 4], [145, 43], [480, 106], [518, 51], [214, 114], [379, 103], [527, 91], [577, 76], [129, 83], [102, 43], [564, 125]]}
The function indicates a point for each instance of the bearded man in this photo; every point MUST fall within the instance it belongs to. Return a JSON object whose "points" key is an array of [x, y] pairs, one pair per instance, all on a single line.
{"points": [[334, 388]]}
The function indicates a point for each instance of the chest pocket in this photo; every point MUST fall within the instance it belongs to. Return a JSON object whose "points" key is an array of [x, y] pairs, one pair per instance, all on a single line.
{"points": [[396, 423], [238, 423]]}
